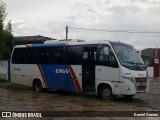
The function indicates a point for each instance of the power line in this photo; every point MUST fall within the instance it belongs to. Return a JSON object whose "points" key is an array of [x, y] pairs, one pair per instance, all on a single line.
{"points": [[122, 31]]}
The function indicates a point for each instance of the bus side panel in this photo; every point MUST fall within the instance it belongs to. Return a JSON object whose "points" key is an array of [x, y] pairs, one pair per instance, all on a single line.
{"points": [[60, 77], [78, 79], [22, 73], [108, 75]]}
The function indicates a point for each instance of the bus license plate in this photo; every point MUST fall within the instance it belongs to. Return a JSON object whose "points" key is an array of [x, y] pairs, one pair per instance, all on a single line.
{"points": [[142, 84]]}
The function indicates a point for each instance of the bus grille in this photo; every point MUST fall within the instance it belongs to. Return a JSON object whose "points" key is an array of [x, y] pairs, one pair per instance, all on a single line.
{"points": [[138, 80], [141, 87], [141, 83]]}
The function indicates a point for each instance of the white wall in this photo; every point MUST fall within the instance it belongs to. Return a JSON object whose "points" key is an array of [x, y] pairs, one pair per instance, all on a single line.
{"points": [[4, 70], [150, 71]]}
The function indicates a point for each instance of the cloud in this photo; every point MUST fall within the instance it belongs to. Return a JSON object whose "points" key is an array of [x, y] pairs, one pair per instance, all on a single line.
{"points": [[123, 10], [49, 18]]}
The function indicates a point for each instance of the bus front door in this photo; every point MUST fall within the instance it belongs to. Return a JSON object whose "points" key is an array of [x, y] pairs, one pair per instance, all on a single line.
{"points": [[88, 69]]}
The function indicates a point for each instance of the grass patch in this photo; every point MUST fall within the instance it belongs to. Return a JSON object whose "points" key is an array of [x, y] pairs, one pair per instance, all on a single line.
{"points": [[14, 87]]}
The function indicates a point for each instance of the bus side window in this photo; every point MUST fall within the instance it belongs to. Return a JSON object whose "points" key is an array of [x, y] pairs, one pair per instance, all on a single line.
{"points": [[45, 55], [85, 55], [75, 55], [57, 55], [19, 56], [52, 56], [103, 56], [36, 55], [27, 55], [60, 55], [15, 56], [106, 60]]}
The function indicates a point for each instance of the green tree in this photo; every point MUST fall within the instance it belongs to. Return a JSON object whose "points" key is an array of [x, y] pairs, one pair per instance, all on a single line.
{"points": [[2, 14], [9, 27], [6, 36]]}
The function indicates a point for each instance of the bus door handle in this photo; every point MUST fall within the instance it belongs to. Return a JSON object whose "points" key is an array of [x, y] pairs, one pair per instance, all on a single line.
{"points": [[80, 74], [23, 75]]}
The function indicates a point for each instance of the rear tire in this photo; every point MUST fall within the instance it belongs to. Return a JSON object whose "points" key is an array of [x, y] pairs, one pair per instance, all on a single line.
{"points": [[105, 92], [37, 86]]}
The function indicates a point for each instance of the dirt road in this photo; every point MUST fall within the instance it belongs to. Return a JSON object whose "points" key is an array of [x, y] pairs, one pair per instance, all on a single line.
{"points": [[27, 100]]}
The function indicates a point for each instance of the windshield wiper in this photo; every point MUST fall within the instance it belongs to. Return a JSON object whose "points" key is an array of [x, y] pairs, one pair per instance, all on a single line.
{"points": [[129, 62], [140, 64], [137, 64]]}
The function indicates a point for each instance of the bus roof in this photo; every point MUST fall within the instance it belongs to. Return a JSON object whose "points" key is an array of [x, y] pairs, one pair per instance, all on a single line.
{"points": [[63, 40], [68, 43]]}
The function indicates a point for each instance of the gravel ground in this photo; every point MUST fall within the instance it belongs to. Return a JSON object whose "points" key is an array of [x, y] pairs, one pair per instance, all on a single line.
{"points": [[152, 99]]}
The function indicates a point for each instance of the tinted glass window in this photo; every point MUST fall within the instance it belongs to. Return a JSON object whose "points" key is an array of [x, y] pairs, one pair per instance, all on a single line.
{"points": [[39, 55], [60, 55], [18, 56], [15, 56], [53, 55], [27, 53], [75, 55], [106, 57], [36, 55], [45, 55]]}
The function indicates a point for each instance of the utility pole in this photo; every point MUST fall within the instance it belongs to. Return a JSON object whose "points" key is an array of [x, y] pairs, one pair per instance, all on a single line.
{"points": [[9, 28], [66, 32], [156, 54]]}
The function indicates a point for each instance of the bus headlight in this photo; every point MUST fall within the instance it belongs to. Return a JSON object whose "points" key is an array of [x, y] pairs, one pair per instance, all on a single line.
{"points": [[129, 78]]}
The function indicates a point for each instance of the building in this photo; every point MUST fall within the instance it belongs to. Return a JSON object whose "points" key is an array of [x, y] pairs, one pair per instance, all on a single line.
{"points": [[151, 58], [148, 56], [31, 39]]}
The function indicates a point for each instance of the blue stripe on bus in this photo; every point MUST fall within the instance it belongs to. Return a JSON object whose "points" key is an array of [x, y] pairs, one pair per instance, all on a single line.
{"points": [[47, 45], [58, 77]]}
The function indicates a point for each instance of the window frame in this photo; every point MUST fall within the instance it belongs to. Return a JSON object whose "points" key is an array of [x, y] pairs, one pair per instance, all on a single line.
{"points": [[109, 63]]}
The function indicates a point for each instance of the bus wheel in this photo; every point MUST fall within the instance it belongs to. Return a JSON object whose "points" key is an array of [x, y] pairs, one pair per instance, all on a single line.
{"points": [[105, 92], [37, 86]]}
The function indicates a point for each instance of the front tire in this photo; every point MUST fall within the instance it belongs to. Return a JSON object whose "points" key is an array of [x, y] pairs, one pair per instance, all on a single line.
{"points": [[37, 86], [105, 92]]}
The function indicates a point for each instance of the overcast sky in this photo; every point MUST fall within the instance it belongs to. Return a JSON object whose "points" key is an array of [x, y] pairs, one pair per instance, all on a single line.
{"points": [[49, 18]]}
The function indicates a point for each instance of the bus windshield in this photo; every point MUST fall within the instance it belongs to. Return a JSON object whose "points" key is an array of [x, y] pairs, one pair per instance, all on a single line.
{"points": [[128, 56]]}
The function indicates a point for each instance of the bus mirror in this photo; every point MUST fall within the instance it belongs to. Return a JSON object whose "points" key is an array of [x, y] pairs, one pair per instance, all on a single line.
{"points": [[106, 50]]}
